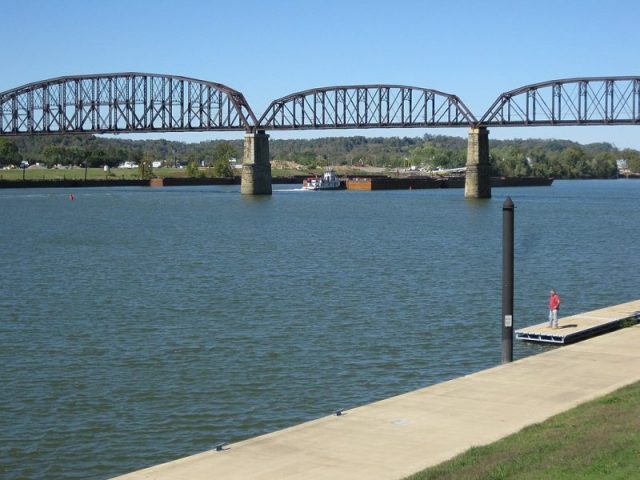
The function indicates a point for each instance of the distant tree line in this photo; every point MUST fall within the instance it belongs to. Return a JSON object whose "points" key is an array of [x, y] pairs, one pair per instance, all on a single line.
{"points": [[96, 152], [557, 158]]}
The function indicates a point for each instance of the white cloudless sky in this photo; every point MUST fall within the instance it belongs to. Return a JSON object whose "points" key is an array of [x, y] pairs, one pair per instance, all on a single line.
{"points": [[268, 49]]}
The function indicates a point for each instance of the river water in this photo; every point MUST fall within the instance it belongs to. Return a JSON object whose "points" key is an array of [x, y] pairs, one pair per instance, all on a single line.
{"points": [[141, 325]]}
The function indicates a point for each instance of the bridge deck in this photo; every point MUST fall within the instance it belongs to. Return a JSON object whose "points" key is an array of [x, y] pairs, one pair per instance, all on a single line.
{"points": [[584, 325]]}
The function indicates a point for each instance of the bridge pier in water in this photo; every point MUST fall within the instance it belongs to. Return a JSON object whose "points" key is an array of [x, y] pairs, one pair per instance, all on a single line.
{"points": [[256, 167], [477, 182]]}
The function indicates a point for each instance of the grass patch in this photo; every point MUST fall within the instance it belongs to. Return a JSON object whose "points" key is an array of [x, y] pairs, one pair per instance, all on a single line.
{"points": [[600, 439], [78, 173]]}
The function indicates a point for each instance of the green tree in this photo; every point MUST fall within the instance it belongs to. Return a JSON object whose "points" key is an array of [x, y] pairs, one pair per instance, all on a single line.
{"points": [[95, 156], [307, 158], [193, 157], [603, 165], [427, 155], [9, 152], [192, 169], [55, 155], [224, 151], [134, 156], [511, 161], [573, 162], [434, 155], [145, 167], [113, 156], [222, 168]]}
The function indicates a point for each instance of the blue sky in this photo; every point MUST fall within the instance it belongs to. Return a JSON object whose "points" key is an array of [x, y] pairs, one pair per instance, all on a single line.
{"points": [[268, 49]]}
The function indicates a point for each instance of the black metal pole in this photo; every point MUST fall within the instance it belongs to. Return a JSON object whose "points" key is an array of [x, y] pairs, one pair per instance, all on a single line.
{"points": [[507, 280]]}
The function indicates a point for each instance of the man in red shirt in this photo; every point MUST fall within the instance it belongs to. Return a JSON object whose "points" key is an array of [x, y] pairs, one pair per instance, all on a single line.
{"points": [[554, 305]]}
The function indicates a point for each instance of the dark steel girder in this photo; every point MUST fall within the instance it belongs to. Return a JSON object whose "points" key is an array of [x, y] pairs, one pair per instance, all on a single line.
{"points": [[366, 106], [123, 102], [572, 101]]}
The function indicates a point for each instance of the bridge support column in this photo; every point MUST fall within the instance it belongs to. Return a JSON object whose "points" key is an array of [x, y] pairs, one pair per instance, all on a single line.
{"points": [[256, 167], [477, 182]]}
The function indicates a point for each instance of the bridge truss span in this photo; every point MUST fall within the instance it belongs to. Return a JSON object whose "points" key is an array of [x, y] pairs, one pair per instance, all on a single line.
{"points": [[574, 101], [366, 106], [122, 102]]}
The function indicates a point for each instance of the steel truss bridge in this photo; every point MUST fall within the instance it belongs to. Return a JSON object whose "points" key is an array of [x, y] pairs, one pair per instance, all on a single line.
{"points": [[366, 106], [122, 102], [142, 102], [575, 101]]}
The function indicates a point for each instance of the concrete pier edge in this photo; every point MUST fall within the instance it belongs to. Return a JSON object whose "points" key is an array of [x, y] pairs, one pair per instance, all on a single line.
{"points": [[401, 435]]}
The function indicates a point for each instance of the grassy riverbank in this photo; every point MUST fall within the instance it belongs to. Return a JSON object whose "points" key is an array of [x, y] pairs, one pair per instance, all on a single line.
{"points": [[78, 173], [600, 439]]}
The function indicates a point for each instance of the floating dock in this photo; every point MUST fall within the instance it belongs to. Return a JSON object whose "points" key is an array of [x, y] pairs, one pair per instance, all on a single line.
{"points": [[584, 325]]}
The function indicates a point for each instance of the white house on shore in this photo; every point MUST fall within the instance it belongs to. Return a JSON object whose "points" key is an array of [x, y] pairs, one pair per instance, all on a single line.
{"points": [[128, 164], [623, 166]]}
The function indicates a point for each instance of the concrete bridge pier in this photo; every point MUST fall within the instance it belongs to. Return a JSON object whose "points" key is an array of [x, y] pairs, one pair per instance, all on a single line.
{"points": [[256, 167], [477, 182]]}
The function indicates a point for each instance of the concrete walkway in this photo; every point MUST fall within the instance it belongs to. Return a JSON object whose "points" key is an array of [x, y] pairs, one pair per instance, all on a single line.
{"points": [[399, 436]]}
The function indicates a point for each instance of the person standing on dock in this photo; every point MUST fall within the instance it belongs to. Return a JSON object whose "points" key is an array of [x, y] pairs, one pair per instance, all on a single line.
{"points": [[554, 305]]}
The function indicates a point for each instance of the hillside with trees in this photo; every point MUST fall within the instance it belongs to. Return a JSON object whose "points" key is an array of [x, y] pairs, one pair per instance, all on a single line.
{"points": [[557, 158]]}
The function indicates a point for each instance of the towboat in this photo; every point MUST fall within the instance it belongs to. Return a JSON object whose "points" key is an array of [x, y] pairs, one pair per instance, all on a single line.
{"points": [[328, 181]]}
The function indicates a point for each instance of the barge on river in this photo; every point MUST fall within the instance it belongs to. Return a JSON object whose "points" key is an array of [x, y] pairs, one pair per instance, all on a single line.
{"points": [[406, 183]]}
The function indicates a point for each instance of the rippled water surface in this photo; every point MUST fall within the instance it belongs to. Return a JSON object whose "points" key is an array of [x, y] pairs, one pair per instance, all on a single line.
{"points": [[142, 325]]}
